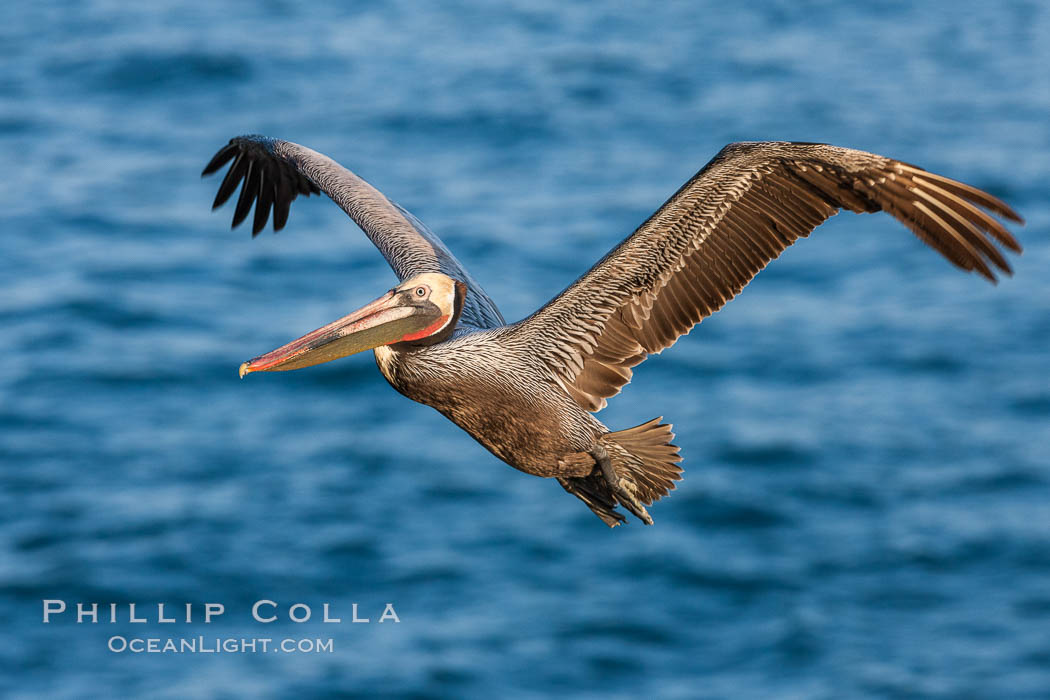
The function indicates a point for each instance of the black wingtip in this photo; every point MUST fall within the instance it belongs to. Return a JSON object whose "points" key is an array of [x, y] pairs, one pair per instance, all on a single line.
{"points": [[249, 190], [221, 158], [268, 181], [230, 182], [264, 203]]}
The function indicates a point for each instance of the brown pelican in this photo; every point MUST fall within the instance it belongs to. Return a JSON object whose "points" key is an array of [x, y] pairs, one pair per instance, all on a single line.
{"points": [[527, 391]]}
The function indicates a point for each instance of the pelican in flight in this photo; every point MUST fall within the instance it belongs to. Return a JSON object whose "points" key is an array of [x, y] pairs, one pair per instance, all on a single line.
{"points": [[528, 391]]}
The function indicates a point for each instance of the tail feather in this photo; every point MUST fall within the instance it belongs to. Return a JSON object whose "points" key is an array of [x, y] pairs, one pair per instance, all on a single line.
{"points": [[648, 457], [643, 457]]}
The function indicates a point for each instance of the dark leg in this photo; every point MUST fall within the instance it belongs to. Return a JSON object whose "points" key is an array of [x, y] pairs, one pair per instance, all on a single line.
{"points": [[621, 488]]}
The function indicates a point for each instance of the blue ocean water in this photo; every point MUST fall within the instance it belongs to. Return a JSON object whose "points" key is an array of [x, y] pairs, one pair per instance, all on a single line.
{"points": [[866, 503]]}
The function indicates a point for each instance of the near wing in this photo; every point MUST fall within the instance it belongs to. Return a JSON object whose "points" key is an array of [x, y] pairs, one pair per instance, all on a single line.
{"points": [[275, 172], [723, 226]]}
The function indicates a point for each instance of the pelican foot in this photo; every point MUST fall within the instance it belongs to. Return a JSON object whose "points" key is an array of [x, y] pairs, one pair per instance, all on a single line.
{"points": [[623, 489]]}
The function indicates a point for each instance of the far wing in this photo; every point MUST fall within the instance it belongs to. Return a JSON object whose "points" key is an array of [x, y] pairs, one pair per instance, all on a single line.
{"points": [[275, 172]]}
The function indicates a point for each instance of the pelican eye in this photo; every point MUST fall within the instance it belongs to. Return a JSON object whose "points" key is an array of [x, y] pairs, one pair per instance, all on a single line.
{"points": [[420, 291]]}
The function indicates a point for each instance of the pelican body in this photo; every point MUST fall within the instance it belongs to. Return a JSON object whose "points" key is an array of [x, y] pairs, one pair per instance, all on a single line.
{"points": [[528, 391]]}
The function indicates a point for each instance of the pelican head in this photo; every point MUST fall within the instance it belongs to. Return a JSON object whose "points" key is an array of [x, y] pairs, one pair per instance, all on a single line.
{"points": [[422, 310]]}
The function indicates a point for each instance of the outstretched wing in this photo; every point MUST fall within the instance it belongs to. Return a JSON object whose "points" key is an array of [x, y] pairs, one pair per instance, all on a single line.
{"points": [[723, 226], [275, 172]]}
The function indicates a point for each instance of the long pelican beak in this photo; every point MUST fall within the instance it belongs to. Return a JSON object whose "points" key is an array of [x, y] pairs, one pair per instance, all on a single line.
{"points": [[386, 320]]}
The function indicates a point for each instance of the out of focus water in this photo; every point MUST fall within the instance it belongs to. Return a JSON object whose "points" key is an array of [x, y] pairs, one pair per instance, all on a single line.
{"points": [[866, 508]]}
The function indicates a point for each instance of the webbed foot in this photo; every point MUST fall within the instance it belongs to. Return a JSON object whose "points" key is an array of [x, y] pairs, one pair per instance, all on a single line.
{"points": [[623, 489]]}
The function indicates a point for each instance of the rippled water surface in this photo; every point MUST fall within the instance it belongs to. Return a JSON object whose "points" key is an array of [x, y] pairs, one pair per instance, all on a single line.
{"points": [[866, 508]]}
